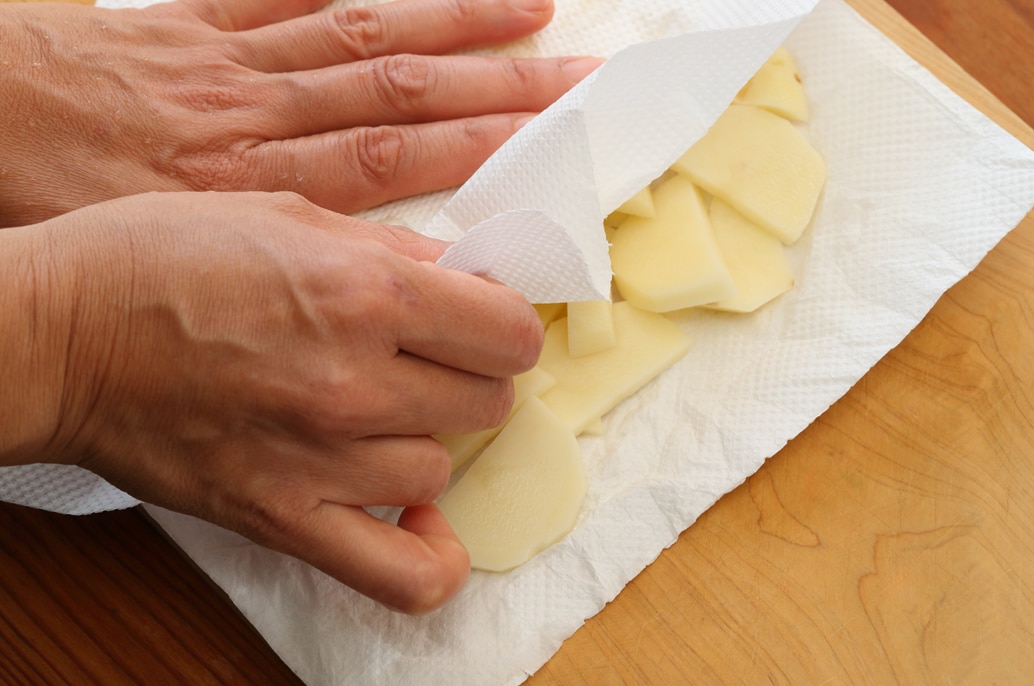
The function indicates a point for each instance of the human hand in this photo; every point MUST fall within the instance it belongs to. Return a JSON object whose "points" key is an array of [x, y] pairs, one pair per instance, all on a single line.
{"points": [[267, 365], [350, 108]]}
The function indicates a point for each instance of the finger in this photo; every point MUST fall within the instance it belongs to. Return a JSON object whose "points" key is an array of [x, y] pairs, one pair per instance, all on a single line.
{"points": [[413, 396], [426, 27], [381, 470], [400, 240], [404, 89], [242, 15], [414, 567], [465, 322], [352, 170]]}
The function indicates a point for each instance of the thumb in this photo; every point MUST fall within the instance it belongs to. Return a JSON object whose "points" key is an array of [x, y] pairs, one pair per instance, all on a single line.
{"points": [[412, 567]]}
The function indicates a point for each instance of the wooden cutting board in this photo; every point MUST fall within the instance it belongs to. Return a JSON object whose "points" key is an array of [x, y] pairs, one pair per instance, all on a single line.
{"points": [[892, 542]]}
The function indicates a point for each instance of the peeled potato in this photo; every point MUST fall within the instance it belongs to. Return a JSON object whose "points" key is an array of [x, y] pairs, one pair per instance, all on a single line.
{"points": [[588, 387], [668, 252], [590, 327], [756, 259], [760, 164], [778, 88], [670, 262], [640, 204], [462, 447], [521, 495]]}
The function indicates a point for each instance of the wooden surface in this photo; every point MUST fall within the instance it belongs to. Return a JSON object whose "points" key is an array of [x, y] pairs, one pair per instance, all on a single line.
{"points": [[892, 542]]}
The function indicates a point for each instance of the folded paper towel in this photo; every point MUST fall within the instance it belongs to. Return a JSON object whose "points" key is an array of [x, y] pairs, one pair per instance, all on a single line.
{"points": [[921, 187]]}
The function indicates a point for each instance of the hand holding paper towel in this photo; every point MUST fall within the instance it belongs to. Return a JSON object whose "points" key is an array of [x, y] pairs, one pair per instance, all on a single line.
{"points": [[277, 368]]}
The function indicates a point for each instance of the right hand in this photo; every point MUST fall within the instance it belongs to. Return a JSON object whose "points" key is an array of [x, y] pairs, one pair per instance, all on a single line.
{"points": [[274, 368]]}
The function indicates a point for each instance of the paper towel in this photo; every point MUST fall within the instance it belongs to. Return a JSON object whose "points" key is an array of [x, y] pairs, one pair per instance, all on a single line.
{"points": [[921, 187]]}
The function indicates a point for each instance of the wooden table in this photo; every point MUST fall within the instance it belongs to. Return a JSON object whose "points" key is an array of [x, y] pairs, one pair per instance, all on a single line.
{"points": [[892, 542]]}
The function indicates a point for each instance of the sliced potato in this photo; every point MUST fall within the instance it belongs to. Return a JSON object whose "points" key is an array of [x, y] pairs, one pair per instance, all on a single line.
{"points": [[522, 494], [588, 387], [462, 447], [760, 164], [640, 204], [590, 327], [756, 259], [778, 88], [550, 312], [670, 262]]}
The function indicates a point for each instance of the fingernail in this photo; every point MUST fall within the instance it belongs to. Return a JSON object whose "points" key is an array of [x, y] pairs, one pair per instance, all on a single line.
{"points": [[577, 68], [532, 6]]}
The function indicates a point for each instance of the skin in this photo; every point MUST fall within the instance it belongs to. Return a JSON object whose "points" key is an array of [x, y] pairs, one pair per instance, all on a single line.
{"points": [[264, 364], [253, 356], [349, 108]]}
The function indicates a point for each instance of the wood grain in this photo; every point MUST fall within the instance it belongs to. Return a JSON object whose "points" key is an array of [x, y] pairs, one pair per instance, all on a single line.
{"points": [[106, 600], [993, 41], [892, 542]]}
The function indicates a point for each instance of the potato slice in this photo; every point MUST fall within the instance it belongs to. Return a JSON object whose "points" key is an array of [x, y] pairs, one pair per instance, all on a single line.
{"points": [[639, 205], [550, 312], [462, 447], [522, 495], [588, 387], [670, 262], [756, 259], [760, 164], [778, 88], [590, 327]]}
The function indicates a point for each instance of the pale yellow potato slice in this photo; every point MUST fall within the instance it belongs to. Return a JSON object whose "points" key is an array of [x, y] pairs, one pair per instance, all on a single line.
{"points": [[590, 327], [462, 447], [594, 428], [640, 204], [522, 495], [756, 259], [550, 312], [670, 262], [760, 164], [588, 387], [778, 88]]}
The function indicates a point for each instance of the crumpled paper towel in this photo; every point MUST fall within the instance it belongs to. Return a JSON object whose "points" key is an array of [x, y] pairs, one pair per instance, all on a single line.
{"points": [[921, 186]]}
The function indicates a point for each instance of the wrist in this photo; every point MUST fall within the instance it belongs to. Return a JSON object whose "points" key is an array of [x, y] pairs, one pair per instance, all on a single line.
{"points": [[34, 326]]}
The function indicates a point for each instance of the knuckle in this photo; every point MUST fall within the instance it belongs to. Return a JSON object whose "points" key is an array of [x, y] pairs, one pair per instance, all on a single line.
{"points": [[380, 154], [359, 31], [225, 86], [436, 468], [466, 11], [530, 336], [496, 407], [224, 171], [266, 511], [290, 203], [524, 336], [293, 206], [404, 80], [524, 74], [475, 135]]}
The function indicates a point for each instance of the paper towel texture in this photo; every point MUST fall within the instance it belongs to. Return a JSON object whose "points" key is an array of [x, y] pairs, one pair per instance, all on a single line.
{"points": [[921, 186]]}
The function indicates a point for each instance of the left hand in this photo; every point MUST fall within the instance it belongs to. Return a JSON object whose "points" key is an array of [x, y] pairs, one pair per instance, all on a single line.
{"points": [[348, 107]]}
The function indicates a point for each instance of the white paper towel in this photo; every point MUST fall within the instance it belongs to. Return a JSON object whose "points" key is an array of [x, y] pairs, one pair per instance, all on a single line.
{"points": [[612, 135], [921, 186]]}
